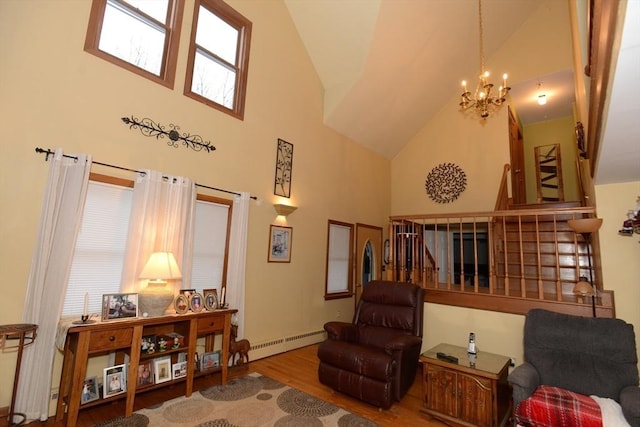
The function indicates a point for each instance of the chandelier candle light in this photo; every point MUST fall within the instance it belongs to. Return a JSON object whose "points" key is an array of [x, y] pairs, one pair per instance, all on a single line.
{"points": [[482, 98]]}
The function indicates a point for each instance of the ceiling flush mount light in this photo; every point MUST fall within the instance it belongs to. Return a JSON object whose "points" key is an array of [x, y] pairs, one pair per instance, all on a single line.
{"points": [[542, 97], [482, 100], [284, 210]]}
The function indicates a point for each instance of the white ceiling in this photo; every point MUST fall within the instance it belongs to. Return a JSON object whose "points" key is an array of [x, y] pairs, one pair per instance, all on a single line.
{"points": [[381, 95]]}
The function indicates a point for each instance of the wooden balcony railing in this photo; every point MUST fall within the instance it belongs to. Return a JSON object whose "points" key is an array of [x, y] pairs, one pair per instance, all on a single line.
{"points": [[505, 260]]}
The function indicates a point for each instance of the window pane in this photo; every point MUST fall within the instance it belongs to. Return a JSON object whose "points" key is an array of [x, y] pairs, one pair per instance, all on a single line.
{"points": [[217, 36], [213, 81], [132, 40], [157, 9], [209, 245], [99, 253]]}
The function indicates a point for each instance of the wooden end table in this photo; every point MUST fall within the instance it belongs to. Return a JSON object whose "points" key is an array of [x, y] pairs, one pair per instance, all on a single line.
{"points": [[469, 392]]}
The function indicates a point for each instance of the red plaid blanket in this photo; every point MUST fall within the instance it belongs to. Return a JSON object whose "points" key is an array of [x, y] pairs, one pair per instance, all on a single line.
{"points": [[557, 407]]}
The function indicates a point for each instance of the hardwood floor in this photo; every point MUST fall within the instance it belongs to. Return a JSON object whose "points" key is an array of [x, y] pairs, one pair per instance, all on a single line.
{"points": [[296, 368]]}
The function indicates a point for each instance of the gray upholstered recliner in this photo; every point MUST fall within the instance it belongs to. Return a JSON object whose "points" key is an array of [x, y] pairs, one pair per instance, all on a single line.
{"points": [[585, 355]]}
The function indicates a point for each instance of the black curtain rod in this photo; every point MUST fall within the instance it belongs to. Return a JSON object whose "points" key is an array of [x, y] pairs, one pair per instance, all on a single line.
{"points": [[47, 152]]}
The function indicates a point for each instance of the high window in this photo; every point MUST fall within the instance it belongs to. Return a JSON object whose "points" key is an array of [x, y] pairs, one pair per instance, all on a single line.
{"points": [[218, 57], [139, 35]]}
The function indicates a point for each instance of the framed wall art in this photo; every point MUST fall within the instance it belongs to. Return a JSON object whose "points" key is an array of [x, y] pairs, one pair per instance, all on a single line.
{"points": [[279, 244], [119, 306], [284, 166]]}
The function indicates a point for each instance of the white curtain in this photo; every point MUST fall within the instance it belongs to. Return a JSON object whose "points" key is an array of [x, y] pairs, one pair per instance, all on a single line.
{"points": [[60, 221], [238, 257], [162, 218]]}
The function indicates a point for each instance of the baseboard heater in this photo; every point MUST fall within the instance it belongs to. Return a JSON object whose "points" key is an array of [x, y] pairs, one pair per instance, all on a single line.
{"points": [[280, 345]]}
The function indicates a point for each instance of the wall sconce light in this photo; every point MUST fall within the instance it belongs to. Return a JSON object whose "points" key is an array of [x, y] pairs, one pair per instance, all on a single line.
{"points": [[284, 210]]}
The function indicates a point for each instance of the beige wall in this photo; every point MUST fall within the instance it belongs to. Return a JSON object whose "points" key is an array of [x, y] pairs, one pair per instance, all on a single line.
{"points": [[620, 254], [54, 94]]}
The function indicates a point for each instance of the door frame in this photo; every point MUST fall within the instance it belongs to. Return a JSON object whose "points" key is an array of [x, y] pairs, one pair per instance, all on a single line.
{"points": [[367, 233]]}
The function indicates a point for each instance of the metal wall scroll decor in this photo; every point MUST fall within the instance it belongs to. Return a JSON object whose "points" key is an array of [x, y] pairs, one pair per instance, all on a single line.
{"points": [[284, 164], [150, 128], [445, 183]]}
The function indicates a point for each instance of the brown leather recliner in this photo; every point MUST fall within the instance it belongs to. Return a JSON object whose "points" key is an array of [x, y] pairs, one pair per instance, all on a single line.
{"points": [[375, 358]]}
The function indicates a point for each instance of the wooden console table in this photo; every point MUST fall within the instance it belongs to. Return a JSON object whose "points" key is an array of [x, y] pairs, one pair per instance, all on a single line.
{"points": [[125, 337], [471, 392]]}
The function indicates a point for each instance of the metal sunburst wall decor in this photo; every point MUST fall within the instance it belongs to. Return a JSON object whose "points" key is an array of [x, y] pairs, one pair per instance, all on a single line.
{"points": [[150, 128], [445, 182]]}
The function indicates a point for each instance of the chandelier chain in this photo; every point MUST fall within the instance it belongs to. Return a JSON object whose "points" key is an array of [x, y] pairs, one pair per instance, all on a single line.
{"points": [[481, 37]]}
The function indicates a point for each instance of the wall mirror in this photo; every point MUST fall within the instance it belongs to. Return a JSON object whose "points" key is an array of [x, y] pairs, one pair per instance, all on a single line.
{"points": [[339, 274], [549, 173]]}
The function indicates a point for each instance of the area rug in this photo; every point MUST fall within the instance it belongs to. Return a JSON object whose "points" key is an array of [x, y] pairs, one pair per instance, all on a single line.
{"points": [[254, 400]]}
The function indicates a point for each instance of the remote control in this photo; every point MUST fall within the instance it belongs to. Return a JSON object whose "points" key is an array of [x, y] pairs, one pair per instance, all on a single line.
{"points": [[448, 358]]}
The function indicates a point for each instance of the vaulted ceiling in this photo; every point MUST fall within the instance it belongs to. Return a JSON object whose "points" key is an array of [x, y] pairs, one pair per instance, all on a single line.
{"points": [[388, 66]]}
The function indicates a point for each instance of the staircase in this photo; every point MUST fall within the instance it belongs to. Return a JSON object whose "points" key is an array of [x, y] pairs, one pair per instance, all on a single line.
{"points": [[539, 256]]}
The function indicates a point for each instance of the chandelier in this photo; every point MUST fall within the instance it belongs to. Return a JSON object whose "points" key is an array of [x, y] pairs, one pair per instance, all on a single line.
{"points": [[482, 99]]}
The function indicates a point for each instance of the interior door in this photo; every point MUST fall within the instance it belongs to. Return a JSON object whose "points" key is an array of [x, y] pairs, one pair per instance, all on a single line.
{"points": [[368, 256], [518, 184]]}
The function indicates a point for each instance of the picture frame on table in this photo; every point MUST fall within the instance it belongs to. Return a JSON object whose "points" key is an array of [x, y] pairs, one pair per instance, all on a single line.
{"points": [[114, 380], [119, 306], [90, 391], [196, 302], [181, 304], [145, 373], [210, 360], [280, 238], [179, 370], [210, 299], [162, 369], [187, 293]]}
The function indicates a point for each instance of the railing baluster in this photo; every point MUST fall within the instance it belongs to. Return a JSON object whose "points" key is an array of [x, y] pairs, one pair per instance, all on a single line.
{"points": [[475, 257], [539, 266], [507, 290], [557, 256], [523, 283], [491, 249]]}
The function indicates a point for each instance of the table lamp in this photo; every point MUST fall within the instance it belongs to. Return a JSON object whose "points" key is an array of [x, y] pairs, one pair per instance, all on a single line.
{"points": [[156, 296]]}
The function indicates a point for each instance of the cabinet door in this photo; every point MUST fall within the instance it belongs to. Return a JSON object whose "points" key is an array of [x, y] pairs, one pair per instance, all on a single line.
{"points": [[475, 399], [441, 391]]}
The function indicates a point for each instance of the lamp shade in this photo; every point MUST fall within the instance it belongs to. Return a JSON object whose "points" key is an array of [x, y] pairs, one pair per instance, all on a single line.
{"points": [[284, 209], [583, 288], [161, 265], [585, 225], [156, 297]]}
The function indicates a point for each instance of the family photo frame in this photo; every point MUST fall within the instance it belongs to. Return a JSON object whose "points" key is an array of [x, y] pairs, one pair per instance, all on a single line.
{"points": [[90, 391], [119, 306], [114, 380], [210, 299], [162, 370], [280, 243]]}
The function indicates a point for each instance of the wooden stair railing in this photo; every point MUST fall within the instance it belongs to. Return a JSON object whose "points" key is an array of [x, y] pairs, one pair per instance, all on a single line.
{"points": [[508, 260]]}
